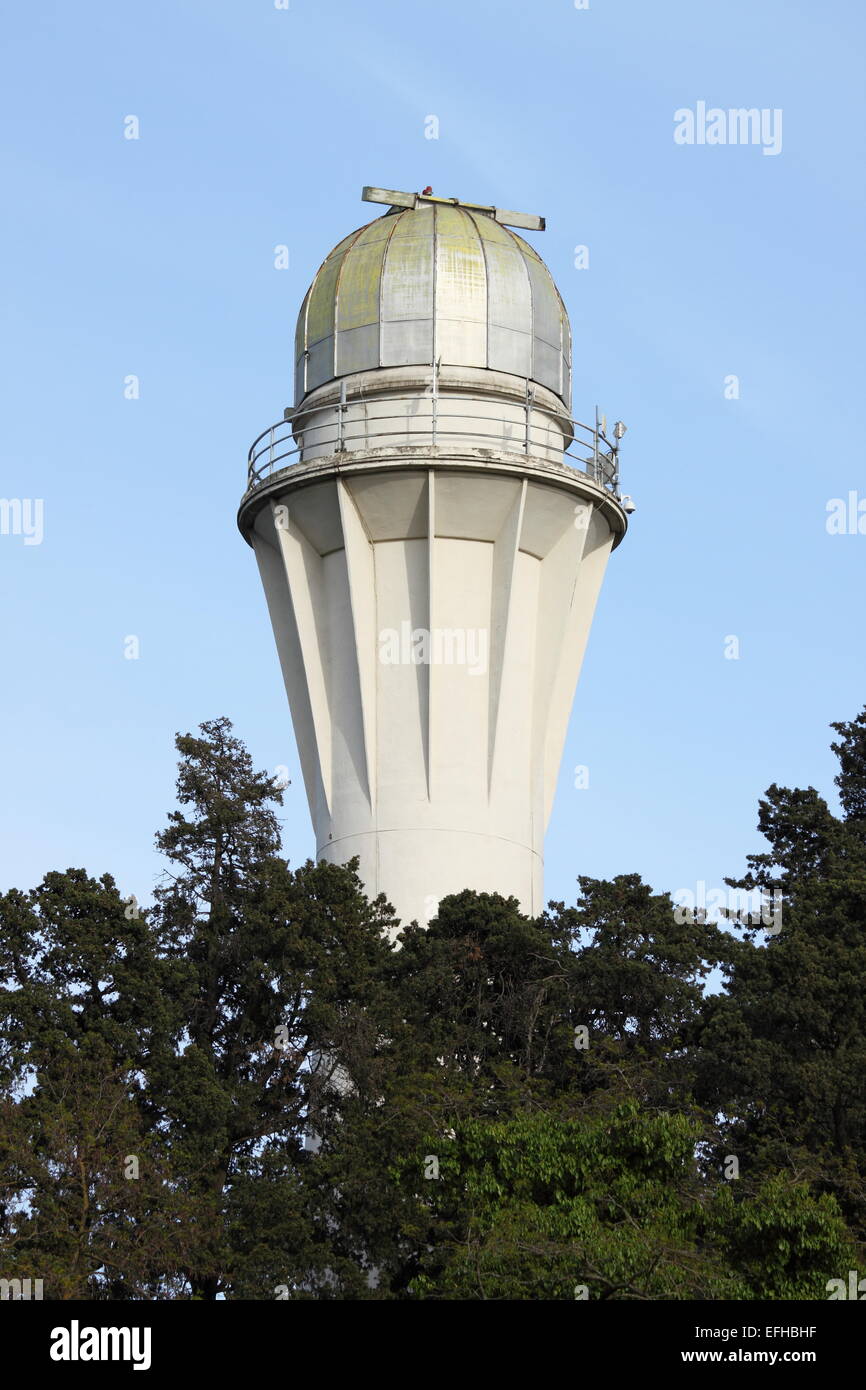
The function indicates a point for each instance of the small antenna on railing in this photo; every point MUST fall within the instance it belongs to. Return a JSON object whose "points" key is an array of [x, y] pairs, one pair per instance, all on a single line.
{"points": [[619, 430]]}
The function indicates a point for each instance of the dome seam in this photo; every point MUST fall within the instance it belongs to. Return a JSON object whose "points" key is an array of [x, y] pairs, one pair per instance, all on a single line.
{"points": [[388, 239], [523, 261], [486, 263], [434, 336]]}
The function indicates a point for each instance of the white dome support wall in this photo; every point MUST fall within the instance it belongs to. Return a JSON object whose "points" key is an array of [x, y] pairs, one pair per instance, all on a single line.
{"points": [[435, 764]]}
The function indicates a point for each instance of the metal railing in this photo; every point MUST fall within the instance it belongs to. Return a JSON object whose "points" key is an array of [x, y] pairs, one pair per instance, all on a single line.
{"points": [[302, 436]]}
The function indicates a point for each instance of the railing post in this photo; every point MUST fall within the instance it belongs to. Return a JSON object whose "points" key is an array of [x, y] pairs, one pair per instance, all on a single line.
{"points": [[340, 415], [530, 397], [434, 398], [595, 459]]}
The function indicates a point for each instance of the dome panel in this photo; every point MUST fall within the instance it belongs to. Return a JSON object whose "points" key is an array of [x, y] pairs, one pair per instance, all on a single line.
{"points": [[547, 329], [547, 365], [322, 302], [460, 321], [407, 288], [508, 288], [407, 291], [358, 287], [509, 350], [357, 348], [527, 249], [406, 342], [358, 290], [488, 230], [300, 334]]}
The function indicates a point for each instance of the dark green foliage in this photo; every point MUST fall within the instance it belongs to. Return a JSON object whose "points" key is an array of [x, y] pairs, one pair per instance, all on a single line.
{"points": [[783, 1051], [499, 1109], [85, 1012]]}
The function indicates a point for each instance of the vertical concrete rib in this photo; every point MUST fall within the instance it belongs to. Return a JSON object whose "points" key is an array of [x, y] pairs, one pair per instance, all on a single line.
{"points": [[282, 615], [505, 551], [303, 568], [589, 573], [361, 572], [432, 709]]}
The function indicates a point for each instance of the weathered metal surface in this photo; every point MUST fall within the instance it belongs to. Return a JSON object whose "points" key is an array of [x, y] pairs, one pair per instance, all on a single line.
{"points": [[439, 280], [394, 198]]}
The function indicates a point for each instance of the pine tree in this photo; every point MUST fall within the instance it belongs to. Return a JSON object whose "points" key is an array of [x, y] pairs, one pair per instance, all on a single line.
{"points": [[783, 1050], [158, 1068], [84, 1011], [276, 976]]}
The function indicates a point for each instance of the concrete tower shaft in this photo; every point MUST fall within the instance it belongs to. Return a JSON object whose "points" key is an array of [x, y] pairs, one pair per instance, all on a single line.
{"points": [[432, 538]]}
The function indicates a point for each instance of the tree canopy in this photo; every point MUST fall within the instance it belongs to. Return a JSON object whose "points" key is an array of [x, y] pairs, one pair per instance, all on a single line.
{"points": [[247, 1091]]}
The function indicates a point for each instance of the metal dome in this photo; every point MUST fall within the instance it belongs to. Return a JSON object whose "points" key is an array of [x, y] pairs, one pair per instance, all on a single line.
{"points": [[435, 281]]}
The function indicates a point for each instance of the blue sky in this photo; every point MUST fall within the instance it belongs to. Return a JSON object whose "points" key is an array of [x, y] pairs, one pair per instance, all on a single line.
{"points": [[155, 257]]}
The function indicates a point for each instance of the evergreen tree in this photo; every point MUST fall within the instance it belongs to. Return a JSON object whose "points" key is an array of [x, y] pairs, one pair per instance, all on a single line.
{"points": [[85, 1010], [783, 1049], [535, 1129], [158, 1069], [277, 970]]}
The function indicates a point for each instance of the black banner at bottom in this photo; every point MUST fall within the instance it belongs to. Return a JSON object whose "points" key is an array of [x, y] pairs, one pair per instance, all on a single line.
{"points": [[170, 1338]]}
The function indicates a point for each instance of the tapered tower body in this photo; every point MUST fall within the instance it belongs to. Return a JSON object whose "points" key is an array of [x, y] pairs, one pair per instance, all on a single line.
{"points": [[432, 530]]}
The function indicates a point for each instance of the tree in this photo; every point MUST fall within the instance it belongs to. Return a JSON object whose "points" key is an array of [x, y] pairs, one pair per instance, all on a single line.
{"points": [[614, 1207], [84, 1011], [783, 1050], [276, 972], [535, 1129], [502, 1108], [158, 1069]]}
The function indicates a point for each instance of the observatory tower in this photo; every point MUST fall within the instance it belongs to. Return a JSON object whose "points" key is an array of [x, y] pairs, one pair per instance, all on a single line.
{"points": [[432, 529]]}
